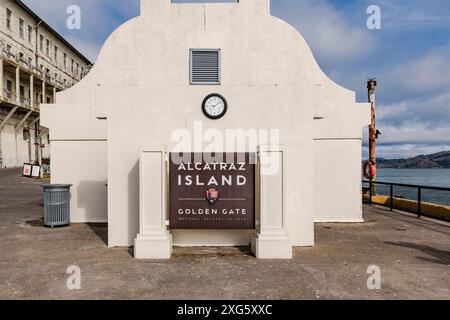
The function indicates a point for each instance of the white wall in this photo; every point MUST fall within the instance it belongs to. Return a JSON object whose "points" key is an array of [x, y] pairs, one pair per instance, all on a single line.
{"points": [[16, 151], [82, 164], [140, 83], [8, 146], [336, 165]]}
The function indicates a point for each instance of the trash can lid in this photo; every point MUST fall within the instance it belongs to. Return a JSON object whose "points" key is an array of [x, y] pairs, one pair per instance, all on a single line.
{"points": [[57, 186]]}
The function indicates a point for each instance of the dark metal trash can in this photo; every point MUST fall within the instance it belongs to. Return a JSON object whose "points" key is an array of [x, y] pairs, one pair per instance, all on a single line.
{"points": [[56, 205]]}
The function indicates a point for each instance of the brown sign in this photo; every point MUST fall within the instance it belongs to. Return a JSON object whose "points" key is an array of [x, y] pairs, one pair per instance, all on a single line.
{"points": [[212, 194]]}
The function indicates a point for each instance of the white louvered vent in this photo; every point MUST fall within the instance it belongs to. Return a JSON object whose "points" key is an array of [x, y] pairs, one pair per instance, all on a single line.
{"points": [[205, 66]]}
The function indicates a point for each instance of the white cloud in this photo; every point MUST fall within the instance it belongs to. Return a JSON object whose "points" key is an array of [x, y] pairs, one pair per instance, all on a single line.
{"points": [[414, 133], [415, 14], [327, 30], [425, 74], [406, 150]]}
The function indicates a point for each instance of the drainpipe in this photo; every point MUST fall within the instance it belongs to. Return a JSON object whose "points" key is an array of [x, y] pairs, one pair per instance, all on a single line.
{"points": [[36, 45]]}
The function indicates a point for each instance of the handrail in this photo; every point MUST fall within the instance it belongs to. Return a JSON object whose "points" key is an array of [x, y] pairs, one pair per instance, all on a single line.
{"points": [[391, 185], [409, 185]]}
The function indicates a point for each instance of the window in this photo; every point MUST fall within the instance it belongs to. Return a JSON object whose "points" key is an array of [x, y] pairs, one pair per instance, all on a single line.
{"points": [[30, 34], [78, 67], [204, 66], [56, 54], [8, 18], [21, 31], [41, 43], [9, 89], [21, 56], [47, 48], [26, 134], [72, 65], [30, 61], [22, 91], [8, 48], [65, 61]]}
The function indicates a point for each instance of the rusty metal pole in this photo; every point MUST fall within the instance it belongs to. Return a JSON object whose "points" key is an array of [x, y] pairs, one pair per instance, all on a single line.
{"points": [[371, 86]]}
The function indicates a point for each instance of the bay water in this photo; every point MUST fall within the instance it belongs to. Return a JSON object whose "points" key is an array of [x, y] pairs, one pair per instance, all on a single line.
{"points": [[423, 177]]}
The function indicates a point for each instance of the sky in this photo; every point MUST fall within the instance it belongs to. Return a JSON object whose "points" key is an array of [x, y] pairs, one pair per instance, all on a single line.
{"points": [[409, 56]]}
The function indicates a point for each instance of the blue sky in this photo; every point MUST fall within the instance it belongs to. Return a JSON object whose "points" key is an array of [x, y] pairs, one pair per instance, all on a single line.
{"points": [[409, 56]]}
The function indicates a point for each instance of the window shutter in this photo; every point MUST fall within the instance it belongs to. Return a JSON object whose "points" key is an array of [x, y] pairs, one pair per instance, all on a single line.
{"points": [[205, 67]]}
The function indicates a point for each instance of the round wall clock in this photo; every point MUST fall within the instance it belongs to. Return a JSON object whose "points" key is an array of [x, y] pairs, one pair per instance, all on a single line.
{"points": [[214, 106]]}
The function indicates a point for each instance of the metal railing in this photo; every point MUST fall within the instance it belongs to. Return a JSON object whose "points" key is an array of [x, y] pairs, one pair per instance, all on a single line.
{"points": [[9, 96], [8, 55], [389, 189], [25, 102]]}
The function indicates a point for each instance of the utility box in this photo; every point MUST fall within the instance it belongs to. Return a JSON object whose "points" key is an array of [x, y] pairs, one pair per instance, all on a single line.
{"points": [[56, 205]]}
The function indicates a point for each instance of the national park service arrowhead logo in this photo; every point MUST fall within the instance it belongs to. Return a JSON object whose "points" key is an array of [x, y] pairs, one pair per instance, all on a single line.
{"points": [[212, 195]]}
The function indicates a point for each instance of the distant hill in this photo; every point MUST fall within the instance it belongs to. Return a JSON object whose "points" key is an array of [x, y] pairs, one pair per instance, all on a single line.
{"points": [[439, 160]]}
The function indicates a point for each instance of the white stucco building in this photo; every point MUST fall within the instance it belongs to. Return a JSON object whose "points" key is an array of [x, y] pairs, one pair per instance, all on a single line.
{"points": [[110, 132], [35, 63]]}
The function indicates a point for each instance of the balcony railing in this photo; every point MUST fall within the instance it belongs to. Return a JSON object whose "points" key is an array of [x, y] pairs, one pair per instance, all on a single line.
{"points": [[24, 102], [9, 96], [8, 55]]}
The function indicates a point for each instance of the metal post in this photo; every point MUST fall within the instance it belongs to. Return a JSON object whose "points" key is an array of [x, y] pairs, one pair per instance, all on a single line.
{"points": [[419, 205], [371, 85], [370, 192], [391, 202]]}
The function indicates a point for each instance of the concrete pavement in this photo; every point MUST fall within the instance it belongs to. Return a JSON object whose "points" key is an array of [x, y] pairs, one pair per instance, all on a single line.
{"points": [[413, 255]]}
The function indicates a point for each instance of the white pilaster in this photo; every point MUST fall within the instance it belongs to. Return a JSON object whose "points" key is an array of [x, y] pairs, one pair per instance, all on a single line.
{"points": [[271, 240], [31, 91], [43, 92], [1, 78], [153, 241], [18, 85]]}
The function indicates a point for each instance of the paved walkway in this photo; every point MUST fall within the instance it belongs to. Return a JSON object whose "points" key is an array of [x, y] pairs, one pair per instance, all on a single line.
{"points": [[413, 255]]}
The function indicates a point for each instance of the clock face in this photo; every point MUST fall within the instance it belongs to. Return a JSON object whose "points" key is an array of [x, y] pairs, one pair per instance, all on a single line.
{"points": [[215, 106]]}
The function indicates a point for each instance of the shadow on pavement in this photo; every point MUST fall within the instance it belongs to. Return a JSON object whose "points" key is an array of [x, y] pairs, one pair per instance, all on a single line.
{"points": [[438, 256], [101, 230]]}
